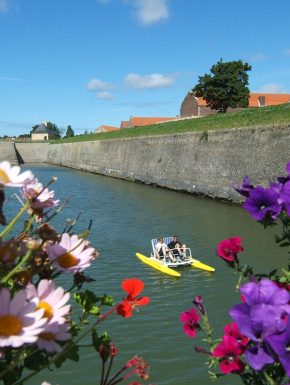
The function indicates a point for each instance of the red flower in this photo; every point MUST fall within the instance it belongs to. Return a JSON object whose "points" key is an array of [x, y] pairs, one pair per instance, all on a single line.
{"points": [[190, 319], [233, 331], [229, 350], [229, 248], [133, 287]]}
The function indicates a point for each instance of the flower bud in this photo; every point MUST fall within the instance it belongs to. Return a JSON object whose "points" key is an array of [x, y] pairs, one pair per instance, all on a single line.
{"points": [[32, 244]]}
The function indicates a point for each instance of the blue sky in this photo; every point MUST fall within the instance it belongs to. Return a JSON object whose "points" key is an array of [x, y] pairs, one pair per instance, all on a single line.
{"points": [[86, 63]]}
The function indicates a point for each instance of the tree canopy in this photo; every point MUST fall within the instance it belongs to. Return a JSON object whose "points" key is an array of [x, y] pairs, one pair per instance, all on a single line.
{"points": [[69, 132], [225, 86]]}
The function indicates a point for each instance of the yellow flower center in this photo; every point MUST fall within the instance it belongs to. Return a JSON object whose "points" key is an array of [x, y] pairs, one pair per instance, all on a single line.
{"points": [[4, 178], [48, 310], [67, 260], [10, 325], [47, 336]]}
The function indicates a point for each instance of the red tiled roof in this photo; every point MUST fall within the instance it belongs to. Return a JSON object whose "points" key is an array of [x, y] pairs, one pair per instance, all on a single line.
{"points": [[270, 99], [143, 121], [110, 128], [124, 124], [104, 128], [200, 101]]}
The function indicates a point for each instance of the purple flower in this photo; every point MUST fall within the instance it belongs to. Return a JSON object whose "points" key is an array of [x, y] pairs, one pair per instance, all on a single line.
{"points": [[285, 196], [288, 168], [280, 344], [263, 202], [258, 355], [263, 313], [245, 188]]}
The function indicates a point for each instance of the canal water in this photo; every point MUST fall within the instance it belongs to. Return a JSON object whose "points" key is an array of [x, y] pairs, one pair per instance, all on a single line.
{"points": [[126, 216]]}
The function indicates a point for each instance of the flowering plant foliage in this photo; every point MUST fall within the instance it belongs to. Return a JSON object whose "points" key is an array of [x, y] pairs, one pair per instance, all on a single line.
{"points": [[256, 345], [37, 327]]}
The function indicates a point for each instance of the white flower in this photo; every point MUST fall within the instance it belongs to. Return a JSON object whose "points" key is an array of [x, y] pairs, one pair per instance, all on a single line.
{"points": [[20, 322], [48, 339], [52, 300], [9, 175], [71, 254]]}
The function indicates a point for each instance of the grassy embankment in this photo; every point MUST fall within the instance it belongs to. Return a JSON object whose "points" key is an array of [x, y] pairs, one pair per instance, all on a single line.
{"points": [[245, 118]]}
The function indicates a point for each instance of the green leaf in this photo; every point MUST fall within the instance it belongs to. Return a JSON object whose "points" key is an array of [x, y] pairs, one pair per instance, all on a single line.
{"points": [[95, 310], [12, 377], [102, 341], [107, 300], [36, 361], [86, 299]]}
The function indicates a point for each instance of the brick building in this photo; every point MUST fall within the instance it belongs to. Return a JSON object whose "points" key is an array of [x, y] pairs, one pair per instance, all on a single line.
{"points": [[196, 106]]}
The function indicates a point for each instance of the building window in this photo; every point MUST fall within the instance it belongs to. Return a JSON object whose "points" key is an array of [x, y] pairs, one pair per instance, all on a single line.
{"points": [[262, 101]]}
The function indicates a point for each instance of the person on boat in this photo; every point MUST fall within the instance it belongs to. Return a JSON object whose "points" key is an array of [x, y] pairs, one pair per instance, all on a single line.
{"points": [[162, 250], [172, 245], [177, 252]]}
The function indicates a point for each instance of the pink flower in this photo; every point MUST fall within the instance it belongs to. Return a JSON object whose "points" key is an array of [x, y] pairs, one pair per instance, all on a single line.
{"points": [[229, 248], [10, 177], [48, 339], [71, 254], [190, 319], [140, 368], [38, 196], [52, 300], [199, 304], [229, 350], [20, 321]]}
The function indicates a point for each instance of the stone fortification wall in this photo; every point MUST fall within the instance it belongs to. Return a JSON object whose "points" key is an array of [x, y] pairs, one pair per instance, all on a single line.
{"points": [[7, 152], [31, 152], [203, 163]]}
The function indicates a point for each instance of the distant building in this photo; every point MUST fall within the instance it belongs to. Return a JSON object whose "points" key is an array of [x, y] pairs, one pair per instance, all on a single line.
{"points": [[196, 106], [104, 128], [42, 133], [124, 124], [137, 121]]}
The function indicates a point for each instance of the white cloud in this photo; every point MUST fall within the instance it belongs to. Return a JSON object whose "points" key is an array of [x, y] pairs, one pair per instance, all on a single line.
{"points": [[4, 6], [287, 52], [258, 57], [8, 79], [149, 81], [151, 11], [272, 88], [97, 84], [105, 95]]}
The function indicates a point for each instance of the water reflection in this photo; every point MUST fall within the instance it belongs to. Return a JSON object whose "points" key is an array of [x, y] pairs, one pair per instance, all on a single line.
{"points": [[126, 216]]}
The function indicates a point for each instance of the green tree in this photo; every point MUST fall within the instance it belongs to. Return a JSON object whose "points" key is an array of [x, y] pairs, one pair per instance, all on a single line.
{"points": [[225, 86], [69, 132], [53, 127]]}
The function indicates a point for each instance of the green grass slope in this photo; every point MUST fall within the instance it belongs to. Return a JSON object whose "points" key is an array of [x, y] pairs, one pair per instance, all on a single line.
{"points": [[250, 117]]}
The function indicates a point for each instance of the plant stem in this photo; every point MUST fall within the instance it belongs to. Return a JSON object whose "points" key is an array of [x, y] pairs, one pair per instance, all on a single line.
{"points": [[9, 227], [16, 268], [108, 371], [67, 348]]}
